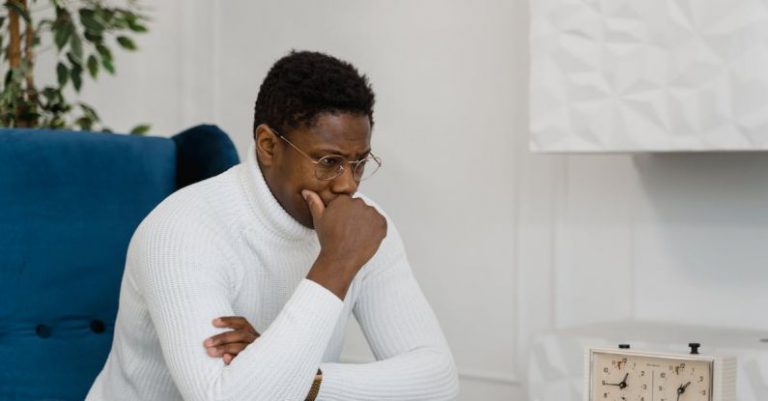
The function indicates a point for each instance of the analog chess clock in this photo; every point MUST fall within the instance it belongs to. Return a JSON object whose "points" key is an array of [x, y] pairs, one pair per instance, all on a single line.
{"points": [[627, 375]]}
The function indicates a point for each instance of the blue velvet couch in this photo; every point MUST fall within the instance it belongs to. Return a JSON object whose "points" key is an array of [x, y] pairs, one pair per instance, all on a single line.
{"points": [[69, 203]]}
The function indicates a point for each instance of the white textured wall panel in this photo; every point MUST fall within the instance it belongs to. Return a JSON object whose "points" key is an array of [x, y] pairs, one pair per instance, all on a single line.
{"points": [[649, 75]]}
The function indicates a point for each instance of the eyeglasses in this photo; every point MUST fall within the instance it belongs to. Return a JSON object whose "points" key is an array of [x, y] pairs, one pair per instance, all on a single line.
{"points": [[329, 167]]}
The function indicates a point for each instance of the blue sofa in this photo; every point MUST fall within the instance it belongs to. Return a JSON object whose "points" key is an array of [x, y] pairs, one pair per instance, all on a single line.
{"points": [[69, 203]]}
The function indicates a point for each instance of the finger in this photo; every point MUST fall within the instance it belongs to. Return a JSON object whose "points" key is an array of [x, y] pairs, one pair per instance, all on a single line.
{"points": [[236, 336], [316, 206], [234, 322], [232, 348], [228, 358]]}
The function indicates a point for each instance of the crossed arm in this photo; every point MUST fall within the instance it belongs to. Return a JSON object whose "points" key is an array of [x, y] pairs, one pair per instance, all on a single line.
{"points": [[413, 360], [185, 292]]}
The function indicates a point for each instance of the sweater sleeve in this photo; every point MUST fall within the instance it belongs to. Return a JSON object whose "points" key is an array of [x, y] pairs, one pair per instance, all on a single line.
{"points": [[186, 281], [413, 358]]}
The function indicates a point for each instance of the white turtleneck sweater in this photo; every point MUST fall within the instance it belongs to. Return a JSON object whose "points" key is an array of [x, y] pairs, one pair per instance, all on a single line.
{"points": [[225, 247]]}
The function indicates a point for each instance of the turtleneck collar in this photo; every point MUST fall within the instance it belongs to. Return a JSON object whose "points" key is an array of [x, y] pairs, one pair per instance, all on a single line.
{"points": [[265, 206]]}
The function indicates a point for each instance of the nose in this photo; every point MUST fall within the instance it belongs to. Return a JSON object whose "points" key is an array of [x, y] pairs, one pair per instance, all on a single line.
{"points": [[345, 183]]}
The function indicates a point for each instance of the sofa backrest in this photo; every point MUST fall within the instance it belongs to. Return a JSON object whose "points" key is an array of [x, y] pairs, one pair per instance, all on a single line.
{"points": [[69, 203]]}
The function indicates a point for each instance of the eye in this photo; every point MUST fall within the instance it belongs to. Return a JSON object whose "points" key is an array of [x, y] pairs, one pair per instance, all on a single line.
{"points": [[331, 162]]}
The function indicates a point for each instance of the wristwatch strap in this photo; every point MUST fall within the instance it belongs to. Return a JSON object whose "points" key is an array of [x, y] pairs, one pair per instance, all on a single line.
{"points": [[315, 389]]}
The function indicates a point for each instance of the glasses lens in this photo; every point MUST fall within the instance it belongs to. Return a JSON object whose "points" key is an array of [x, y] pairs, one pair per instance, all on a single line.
{"points": [[329, 167], [366, 168]]}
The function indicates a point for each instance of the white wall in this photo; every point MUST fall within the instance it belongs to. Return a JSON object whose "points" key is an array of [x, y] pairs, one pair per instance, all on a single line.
{"points": [[505, 243]]}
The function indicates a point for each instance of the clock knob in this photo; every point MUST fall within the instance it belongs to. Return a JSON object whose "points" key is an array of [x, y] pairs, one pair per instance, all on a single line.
{"points": [[623, 346], [694, 348]]}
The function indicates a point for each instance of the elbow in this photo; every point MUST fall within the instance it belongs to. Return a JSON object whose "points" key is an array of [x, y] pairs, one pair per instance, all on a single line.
{"points": [[451, 380], [445, 377]]}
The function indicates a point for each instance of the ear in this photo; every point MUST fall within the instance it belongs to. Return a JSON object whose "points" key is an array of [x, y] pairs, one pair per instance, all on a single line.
{"points": [[266, 144]]}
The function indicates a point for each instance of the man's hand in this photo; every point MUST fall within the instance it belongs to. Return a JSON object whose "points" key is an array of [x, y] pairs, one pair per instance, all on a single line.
{"points": [[350, 233], [227, 345]]}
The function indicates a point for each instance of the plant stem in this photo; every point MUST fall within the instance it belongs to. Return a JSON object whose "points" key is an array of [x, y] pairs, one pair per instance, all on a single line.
{"points": [[29, 55], [14, 46]]}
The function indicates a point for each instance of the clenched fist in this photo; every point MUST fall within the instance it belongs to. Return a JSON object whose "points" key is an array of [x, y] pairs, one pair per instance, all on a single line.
{"points": [[350, 232]]}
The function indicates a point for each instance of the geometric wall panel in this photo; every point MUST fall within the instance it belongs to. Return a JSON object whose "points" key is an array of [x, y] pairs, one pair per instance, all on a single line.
{"points": [[648, 75]]}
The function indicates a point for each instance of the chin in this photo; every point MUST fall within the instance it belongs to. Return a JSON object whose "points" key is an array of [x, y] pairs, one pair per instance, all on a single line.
{"points": [[304, 222], [304, 218]]}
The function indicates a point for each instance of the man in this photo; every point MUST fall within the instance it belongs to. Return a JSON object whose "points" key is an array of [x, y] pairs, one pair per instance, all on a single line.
{"points": [[281, 245]]}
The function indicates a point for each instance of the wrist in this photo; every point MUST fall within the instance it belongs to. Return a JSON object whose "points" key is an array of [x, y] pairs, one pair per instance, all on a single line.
{"points": [[340, 263], [315, 389], [332, 273]]}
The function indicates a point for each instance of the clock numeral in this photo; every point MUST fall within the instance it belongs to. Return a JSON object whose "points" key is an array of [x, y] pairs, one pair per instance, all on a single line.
{"points": [[701, 379], [661, 388], [605, 370], [644, 386], [642, 373], [663, 375]]}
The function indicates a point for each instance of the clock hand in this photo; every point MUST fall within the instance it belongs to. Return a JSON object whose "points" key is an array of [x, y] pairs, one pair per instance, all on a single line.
{"points": [[681, 390], [621, 385], [623, 382]]}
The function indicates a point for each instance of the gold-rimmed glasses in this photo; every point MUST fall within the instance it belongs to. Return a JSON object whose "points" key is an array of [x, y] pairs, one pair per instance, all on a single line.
{"points": [[329, 167]]}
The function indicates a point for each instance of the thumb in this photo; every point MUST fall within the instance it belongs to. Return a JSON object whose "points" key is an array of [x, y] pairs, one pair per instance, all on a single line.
{"points": [[316, 206]]}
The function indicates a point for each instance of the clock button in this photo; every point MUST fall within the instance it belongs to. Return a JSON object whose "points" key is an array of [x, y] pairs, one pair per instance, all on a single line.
{"points": [[694, 348]]}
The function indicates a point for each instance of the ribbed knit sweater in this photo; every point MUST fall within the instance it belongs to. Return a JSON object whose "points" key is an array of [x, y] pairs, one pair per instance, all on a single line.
{"points": [[225, 247]]}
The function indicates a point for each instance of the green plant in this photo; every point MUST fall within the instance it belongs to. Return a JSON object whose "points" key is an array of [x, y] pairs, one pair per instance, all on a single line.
{"points": [[82, 33]]}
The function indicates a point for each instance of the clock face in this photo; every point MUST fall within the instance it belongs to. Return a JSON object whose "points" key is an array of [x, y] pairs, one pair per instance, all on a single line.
{"points": [[628, 377]]}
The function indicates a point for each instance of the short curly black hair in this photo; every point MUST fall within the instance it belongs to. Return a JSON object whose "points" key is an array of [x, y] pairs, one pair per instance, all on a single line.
{"points": [[302, 85]]}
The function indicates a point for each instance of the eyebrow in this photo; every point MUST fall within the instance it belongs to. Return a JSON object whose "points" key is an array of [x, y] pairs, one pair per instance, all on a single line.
{"points": [[320, 152]]}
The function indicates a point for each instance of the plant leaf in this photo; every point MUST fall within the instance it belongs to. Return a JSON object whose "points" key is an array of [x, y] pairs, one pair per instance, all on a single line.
{"points": [[89, 112], [84, 123], [92, 37], [107, 64], [18, 8], [138, 28], [133, 22], [76, 46], [62, 73], [140, 129], [61, 33], [126, 43], [73, 60], [89, 21], [93, 66], [104, 52], [76, 75]]}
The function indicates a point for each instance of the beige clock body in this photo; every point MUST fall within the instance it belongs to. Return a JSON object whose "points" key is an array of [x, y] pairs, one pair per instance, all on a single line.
{"points": [[626, 375]]}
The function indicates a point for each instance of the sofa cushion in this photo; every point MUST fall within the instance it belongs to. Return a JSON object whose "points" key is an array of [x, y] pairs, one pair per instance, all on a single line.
{"points": [[202, 151], [69, 203]]}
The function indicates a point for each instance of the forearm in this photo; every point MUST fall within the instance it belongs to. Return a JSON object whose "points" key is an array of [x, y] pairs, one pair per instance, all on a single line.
{"points": [[422, 374], [333, 273], [280, 365]]}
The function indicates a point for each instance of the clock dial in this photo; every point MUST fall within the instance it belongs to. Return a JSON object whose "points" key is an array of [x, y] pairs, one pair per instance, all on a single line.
{"points": [[627, 377]]}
